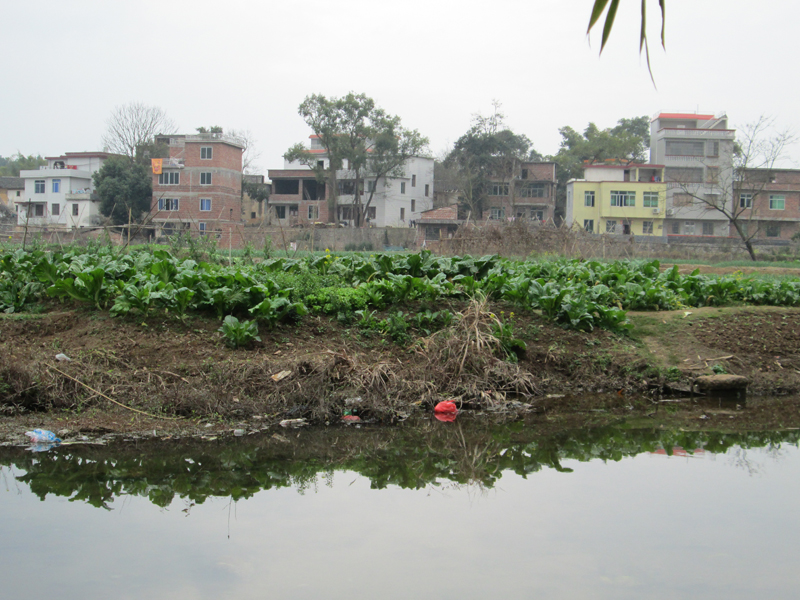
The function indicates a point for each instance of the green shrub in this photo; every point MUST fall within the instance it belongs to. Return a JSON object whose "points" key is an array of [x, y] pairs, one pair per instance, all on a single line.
{"points": [[239, 333]]}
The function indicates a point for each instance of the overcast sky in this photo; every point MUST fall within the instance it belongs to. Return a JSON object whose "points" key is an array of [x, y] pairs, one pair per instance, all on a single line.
{"points": [[247, 64]]}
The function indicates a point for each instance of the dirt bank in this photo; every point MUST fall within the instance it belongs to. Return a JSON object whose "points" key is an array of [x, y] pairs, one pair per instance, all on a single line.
{"points": [[168, 377]]}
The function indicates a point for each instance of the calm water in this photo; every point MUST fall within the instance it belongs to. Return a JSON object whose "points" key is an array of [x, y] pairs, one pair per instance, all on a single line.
{"points": [[461, 510]]}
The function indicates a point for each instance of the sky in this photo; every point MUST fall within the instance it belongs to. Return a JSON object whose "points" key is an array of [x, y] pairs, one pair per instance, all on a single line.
{"points": [[248, 64]]}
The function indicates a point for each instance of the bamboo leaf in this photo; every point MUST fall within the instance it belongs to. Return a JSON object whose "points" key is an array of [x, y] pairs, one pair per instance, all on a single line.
{"points": [[597, 10], [612, 13]]}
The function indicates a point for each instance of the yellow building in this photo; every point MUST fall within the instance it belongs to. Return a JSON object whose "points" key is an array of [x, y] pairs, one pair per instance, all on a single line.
{"points": [[618, 199]]}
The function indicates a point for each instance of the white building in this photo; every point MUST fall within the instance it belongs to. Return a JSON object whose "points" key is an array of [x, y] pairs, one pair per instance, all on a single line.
{"points": [[697, 153], [297, 198], [60, 194]]}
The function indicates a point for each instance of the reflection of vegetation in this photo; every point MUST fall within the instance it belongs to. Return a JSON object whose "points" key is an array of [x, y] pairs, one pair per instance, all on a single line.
{"points": [[411, 457]]}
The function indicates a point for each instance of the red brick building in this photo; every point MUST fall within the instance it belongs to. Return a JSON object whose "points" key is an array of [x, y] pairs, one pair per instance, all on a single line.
{"points": [[769, 201], [529, 194], [199, 188]]}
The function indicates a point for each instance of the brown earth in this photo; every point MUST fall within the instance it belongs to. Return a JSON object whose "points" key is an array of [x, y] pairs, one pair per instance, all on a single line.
{"points": [[188, 382]]}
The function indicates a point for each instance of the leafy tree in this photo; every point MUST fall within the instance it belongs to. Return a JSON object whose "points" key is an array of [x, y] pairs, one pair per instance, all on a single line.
{"points": [[11, 166], [626, 142], [133, 125], [125, 188], [354, 132], [489, 151]]}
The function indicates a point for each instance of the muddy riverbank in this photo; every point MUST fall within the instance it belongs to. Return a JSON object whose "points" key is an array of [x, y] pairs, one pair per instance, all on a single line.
{"points": [[169, 377]]}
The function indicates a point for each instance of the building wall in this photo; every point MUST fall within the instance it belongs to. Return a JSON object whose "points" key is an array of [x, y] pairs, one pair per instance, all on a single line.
{"points": [[225, 191], [516, 204], [767, 222], [603, 212]]}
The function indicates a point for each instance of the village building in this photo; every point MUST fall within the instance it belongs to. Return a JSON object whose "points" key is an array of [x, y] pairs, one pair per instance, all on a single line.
{"points": [[618, 199], [696, 151], [61, 194], [768, 203], [298, 199], [198, 187], [529, 193], [11, 190]]}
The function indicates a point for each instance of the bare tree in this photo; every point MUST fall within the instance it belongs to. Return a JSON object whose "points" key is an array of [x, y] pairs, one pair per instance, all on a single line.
{"points": [[133, 125], [740, 200], [249, 154]]}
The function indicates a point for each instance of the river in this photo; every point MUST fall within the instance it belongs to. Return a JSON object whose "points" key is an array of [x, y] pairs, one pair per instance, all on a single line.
{"points": [[426, 510]]}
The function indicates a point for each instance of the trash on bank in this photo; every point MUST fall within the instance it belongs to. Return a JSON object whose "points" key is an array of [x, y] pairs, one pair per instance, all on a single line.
{"points": [[445, 411], [351, 419], [63, 357], [293, 423], [281, 375], [43, 436]]}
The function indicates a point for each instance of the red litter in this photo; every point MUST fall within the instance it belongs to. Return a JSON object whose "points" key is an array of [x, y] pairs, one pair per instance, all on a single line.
{"points": [[447, 407], [351, 418]]}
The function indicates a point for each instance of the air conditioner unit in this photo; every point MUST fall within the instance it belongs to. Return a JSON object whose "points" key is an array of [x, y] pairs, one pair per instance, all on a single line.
{"points": [[655, 211], [670, 212]]}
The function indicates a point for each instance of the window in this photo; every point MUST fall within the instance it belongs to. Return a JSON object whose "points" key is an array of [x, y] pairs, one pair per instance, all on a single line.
{"points": [[293, 211], [402, 214], [206, 152], [682, 200], [611, 226], [280, 212], [167, 204], [169, 178], [712, 174], [38, 186], [588, 198], [202, 226], [532, 190], [320, 164], [56, 186], [252, 215], [537, 215], [413, 205], [287, 187], [773, 230], [712, 148], [647, 227], [427, 189], [588, 225], [650, 199], [371, 212], [499, 189], [205, 204], [684, 174], [684, 148], [205, 178], [708, 229], [55, 209], [623, 198], [777, 202], [745, 200], [313, 212], [524, 174], [413, 181], [75, 210], [688, 228], [370, 186], [402, 187], [676, 227], [497, 212]]}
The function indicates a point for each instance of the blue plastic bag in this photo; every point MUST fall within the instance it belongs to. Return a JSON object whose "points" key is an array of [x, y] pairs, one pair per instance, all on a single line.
{"points": [[42, 436]]}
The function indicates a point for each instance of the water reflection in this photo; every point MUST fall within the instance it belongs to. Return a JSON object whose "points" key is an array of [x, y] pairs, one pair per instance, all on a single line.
{"points": [[412, 457]]}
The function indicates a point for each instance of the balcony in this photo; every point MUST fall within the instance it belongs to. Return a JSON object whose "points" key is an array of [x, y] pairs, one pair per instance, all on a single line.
{"points": [[706, 134]]}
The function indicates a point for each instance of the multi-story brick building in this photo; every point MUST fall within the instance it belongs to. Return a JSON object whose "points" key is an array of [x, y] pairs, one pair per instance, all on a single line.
{"points": [[299, 199], [768, 203], [529, 194], [697, 153], [199, 186], [618, 199]]}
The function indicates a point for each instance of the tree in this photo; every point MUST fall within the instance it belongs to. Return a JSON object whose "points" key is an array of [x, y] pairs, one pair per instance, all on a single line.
{"points": [[249, 152], [357, 134], [626, 142], [489, 151], [125, 189], [133, 125], [742, 199], [11, 166], [597, 10]]}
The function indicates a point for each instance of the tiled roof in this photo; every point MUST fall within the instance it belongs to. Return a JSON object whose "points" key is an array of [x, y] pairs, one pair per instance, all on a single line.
{"points": [[445, 212], [12, 183]]}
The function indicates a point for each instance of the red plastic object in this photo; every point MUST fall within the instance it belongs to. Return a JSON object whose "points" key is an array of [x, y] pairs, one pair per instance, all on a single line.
{"points": [[351, 418], [445, 417], [448, 406]]}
